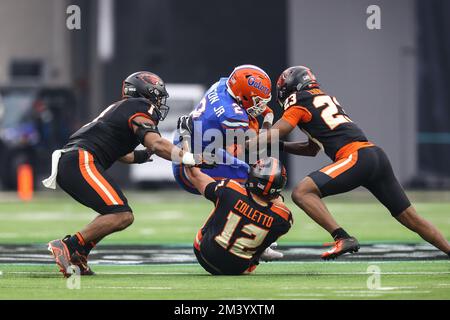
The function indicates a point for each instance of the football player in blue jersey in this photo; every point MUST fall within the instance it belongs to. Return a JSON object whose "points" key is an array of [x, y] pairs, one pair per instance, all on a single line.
{"points": [[230, 105]]}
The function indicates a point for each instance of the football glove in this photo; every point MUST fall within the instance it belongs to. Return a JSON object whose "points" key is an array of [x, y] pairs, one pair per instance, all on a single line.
{"points": [[185, 126], [142, 156]]}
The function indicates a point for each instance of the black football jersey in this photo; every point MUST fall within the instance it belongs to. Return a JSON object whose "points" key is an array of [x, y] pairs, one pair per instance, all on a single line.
{"points": [[239, 229], [326, 122], [110, 136]]}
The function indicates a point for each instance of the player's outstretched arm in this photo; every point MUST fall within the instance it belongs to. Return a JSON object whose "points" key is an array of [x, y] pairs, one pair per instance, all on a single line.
{"points": [[149, 137], [198, 179], [282, 127], [308, 149], [137, 156]]}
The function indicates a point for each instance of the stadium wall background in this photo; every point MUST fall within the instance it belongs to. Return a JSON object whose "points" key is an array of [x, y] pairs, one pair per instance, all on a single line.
{"points": [[373, 73]]}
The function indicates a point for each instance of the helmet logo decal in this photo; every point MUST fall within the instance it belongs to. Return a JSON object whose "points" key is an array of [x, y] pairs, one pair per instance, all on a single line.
{"points": [[150, 78], [258, 85]]}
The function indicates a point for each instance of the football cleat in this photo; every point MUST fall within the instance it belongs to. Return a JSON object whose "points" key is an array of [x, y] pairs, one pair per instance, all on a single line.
{"points": [[69, 263], [270, 254], [61, 255], [80, 261], [341, 246]]}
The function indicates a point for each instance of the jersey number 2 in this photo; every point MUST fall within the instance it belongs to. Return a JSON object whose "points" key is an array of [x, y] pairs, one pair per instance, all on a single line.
{"points": [[330, 114], [243, 247]]}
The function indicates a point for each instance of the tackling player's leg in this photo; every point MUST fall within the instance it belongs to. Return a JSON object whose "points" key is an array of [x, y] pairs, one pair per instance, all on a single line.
{"points": [[373, 171], [386, 188], [81, 177], [410, 219], [307, 196]]}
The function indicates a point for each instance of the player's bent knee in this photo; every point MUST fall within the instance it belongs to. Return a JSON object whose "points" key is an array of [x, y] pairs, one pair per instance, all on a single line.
{"points": [[411, 219], [408, 214], [302, 190], [124, 220]]}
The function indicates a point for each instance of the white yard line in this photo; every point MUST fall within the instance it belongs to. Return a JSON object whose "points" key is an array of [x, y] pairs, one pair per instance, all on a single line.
{"points": [[258, 274]]}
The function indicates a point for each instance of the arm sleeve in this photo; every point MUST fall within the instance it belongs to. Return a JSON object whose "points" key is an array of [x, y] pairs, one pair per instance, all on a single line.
{"points": [[214, 190], [296, 114]]}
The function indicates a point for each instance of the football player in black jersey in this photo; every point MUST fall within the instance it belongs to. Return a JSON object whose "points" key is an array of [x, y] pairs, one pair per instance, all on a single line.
{"points": [[80, 167], [356, 161], [245, 221]]}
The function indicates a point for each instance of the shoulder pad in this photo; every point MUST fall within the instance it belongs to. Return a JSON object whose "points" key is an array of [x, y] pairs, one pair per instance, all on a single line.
{"points": [[236, 187], [142, 105], [283, 211]]}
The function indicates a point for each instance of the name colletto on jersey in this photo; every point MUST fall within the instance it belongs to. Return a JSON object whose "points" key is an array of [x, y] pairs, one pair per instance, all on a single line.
{"points": [[239, 229], [322, 118], [110, 136]]}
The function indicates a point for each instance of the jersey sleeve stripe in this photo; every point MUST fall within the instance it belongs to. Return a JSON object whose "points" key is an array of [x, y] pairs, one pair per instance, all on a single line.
{"points": [[234, 124], [139, 114]]}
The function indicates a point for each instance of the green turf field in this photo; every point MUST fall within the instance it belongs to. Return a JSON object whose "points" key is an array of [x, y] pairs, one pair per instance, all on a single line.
{"points": [[334, 280], [174, 218]]}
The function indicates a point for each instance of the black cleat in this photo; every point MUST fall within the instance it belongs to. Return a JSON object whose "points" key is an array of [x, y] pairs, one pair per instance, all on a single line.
{"points": [[341, 246], [80, 261]]}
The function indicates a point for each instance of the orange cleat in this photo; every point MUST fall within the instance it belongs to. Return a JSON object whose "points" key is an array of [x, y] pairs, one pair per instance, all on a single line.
{"points": [[340, 247]]}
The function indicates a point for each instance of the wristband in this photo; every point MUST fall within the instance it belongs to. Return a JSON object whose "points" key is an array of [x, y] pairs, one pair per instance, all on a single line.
{"points": [[188, 159]]}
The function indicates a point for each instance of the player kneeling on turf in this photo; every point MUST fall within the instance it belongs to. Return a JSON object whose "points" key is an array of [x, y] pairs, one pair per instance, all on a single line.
{"points": [[245, 220]]}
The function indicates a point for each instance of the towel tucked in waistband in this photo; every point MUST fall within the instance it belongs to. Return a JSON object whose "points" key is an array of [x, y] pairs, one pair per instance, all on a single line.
{"points": [[50, 182]]}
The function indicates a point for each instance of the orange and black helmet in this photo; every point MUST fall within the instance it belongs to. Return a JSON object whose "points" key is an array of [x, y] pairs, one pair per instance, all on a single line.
{"points": [[251, 87], [267, 178], [294, 79], [144, 84]]}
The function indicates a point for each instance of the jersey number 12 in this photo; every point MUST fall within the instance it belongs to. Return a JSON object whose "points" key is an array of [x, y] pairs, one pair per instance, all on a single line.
{"points": [[243, 247]]}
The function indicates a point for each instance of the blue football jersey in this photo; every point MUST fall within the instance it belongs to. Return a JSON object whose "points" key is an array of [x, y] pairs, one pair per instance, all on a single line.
{"points": [[217, 110]]}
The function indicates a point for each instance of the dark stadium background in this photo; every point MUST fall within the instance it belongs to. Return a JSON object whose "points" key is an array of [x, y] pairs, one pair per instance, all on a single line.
{"points": [[392, 81]]}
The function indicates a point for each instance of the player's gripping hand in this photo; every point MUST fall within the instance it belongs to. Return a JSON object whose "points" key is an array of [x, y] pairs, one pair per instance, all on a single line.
{"points": [[142, 156], [185, 126], [204, 162]]}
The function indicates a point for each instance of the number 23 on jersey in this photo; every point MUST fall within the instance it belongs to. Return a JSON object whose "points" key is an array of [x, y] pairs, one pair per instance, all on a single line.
{"points": [[331, 114]]}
